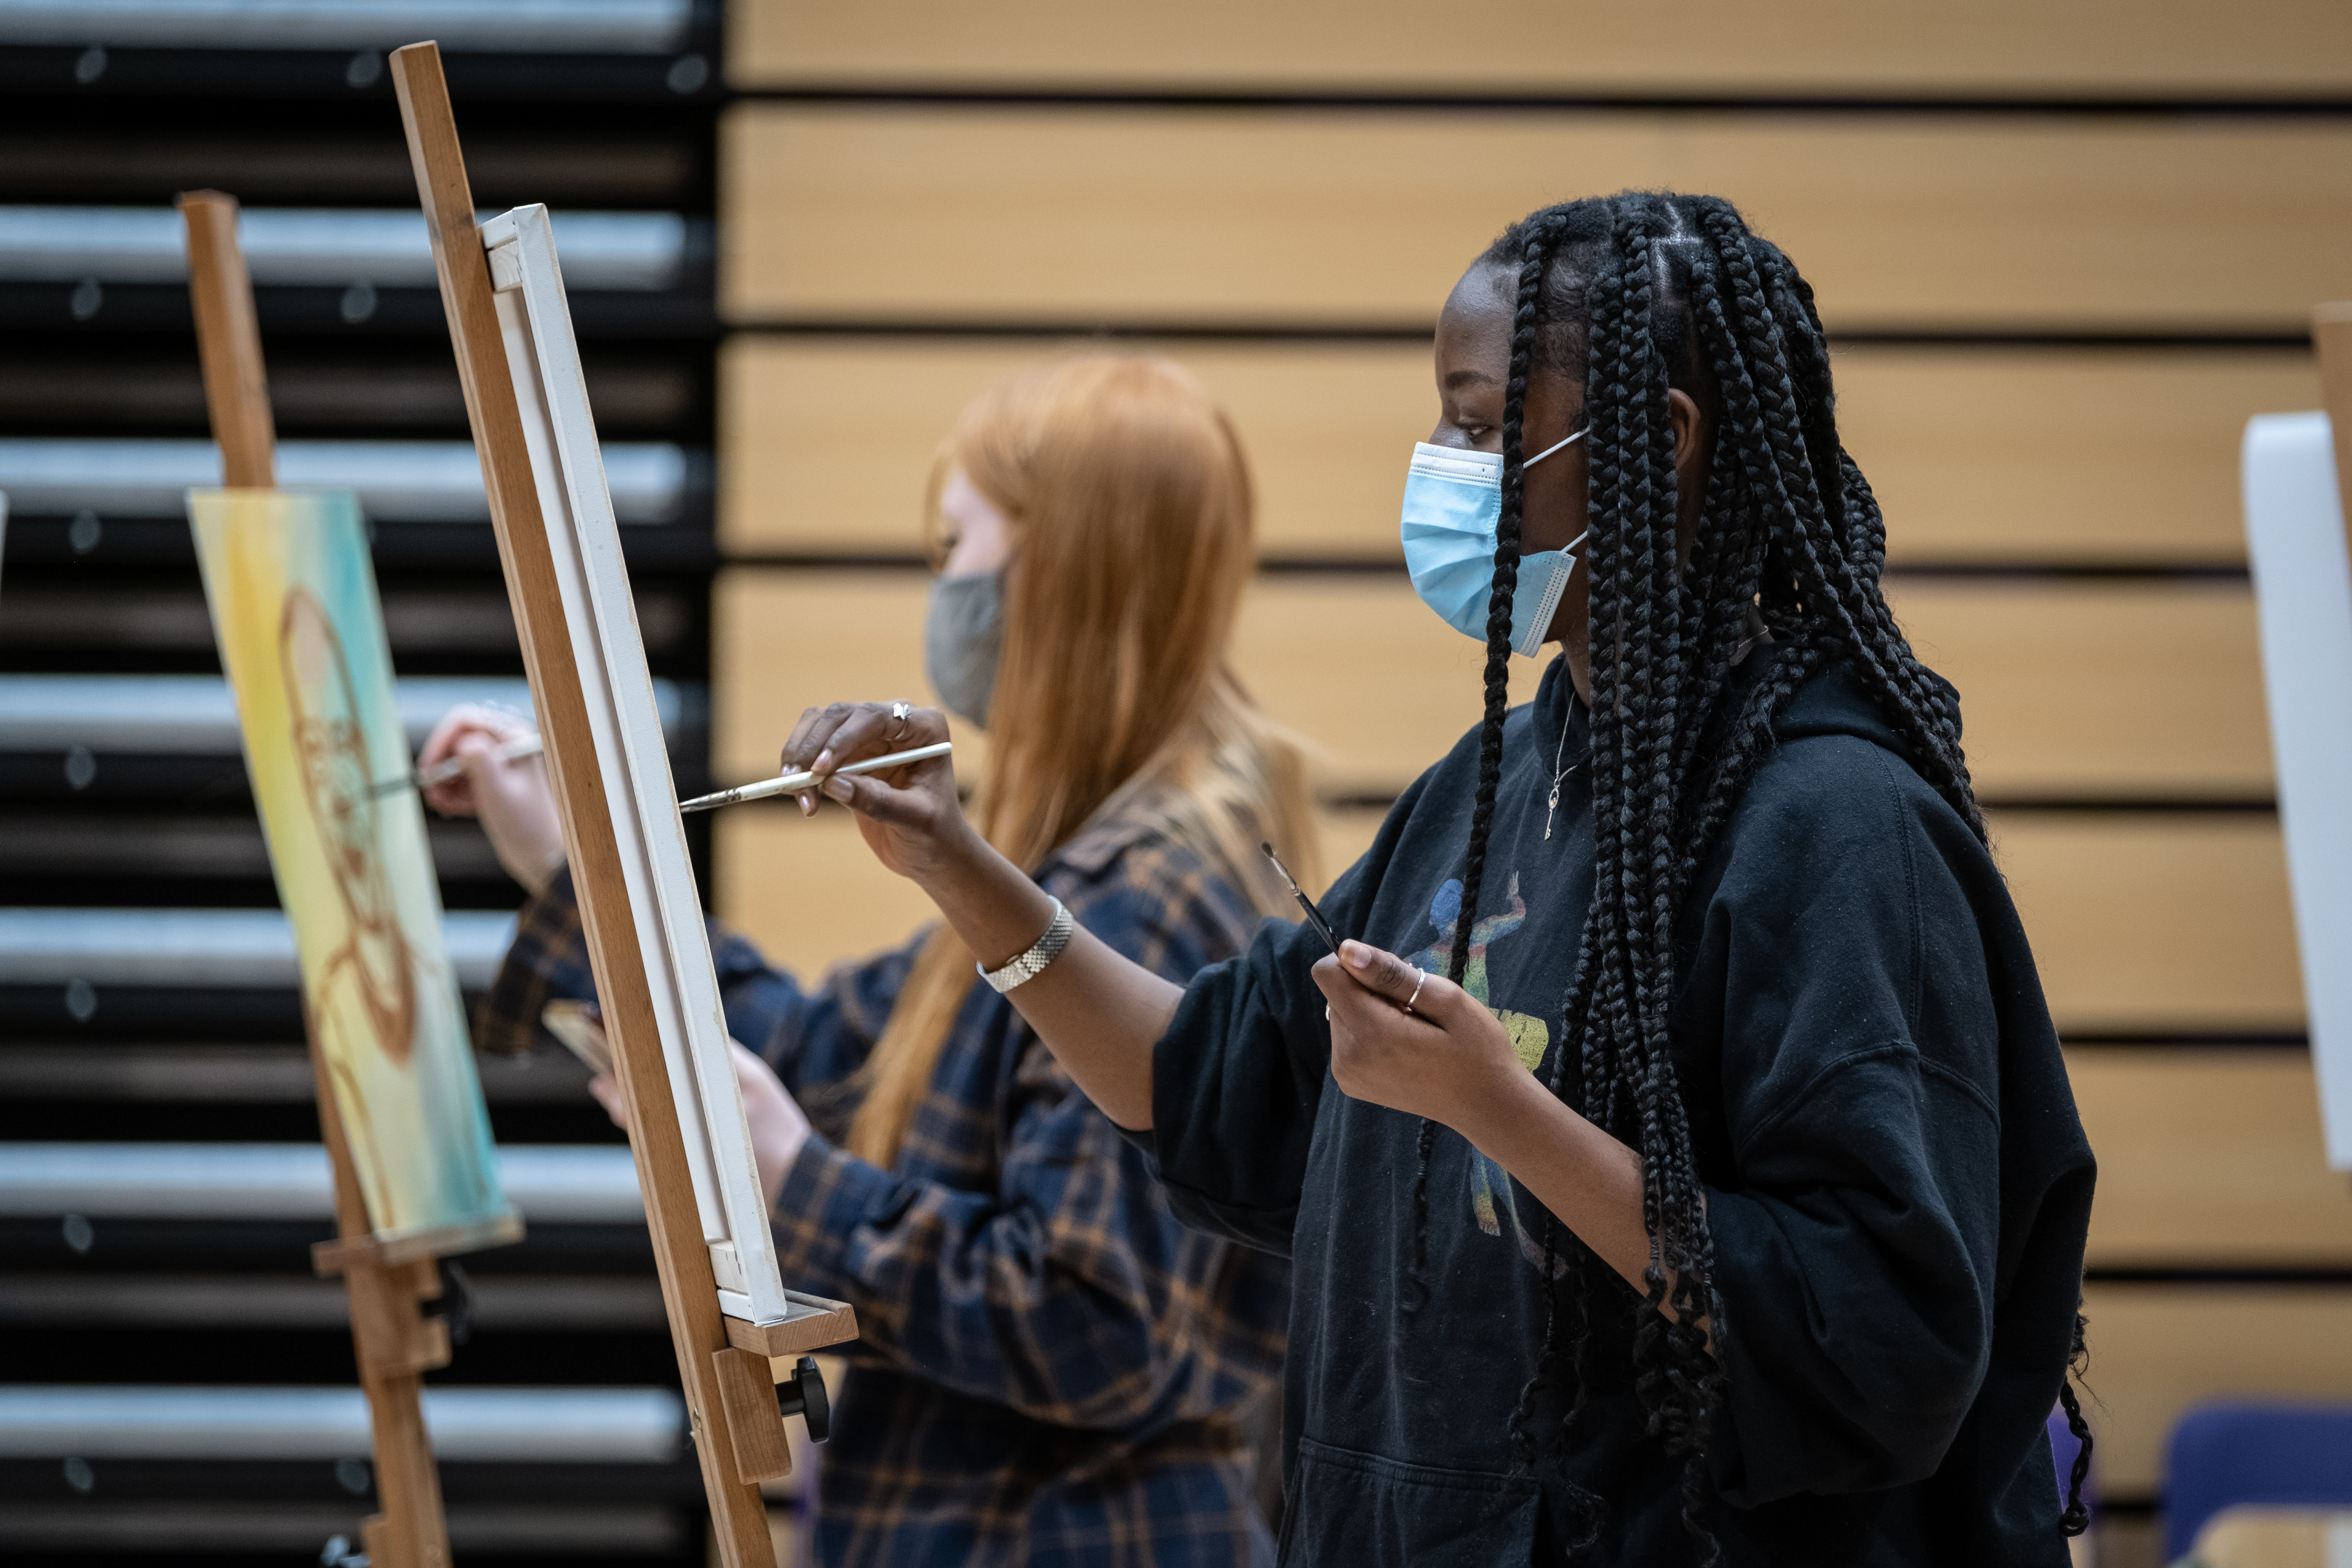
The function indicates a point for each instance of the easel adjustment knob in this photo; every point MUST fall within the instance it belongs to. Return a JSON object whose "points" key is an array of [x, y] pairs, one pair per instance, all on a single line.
{"points": [[802, 1394]]}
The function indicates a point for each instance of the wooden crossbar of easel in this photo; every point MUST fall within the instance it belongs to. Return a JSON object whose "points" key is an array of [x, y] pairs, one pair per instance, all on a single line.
{"points": [[725, 1361], [395, 1342]]}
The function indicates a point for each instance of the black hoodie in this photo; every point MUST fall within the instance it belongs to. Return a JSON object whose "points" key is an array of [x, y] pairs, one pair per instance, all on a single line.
{"points": [[1896, 1183]]}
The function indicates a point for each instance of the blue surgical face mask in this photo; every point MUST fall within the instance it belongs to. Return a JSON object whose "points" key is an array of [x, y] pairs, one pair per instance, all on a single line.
{"points": [[1453, 501]]}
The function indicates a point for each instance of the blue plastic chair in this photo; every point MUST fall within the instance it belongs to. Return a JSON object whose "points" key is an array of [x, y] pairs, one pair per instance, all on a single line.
{"points": [[2063, 1447], [2233, 1451]]}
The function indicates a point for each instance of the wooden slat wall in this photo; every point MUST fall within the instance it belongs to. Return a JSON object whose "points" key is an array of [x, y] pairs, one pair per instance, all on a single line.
{"points": [[2061, 457], [2209, 1157], [2070, 456], [1328, 429], [1996, 48], [2162, 698], [2155, 922], [976, 215], [2051, 328]]}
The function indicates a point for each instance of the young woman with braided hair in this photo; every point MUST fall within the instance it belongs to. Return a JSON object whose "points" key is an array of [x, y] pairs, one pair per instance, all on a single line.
{"points": [[1705, 1187]]}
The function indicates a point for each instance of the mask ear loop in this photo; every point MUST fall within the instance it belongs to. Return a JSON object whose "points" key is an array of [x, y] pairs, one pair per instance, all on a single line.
{"points": [[1547, 451], [1529, 645]]}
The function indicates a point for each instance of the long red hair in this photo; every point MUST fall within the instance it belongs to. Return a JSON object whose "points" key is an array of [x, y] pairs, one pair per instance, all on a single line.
{"points": [[1133, 539]]}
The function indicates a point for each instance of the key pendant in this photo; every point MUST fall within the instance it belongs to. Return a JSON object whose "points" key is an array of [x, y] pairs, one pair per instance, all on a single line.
{"points": [[1551, 805]]}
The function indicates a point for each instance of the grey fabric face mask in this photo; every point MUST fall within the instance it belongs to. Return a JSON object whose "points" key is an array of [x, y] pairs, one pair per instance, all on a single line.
{"points": [[964, 638]]}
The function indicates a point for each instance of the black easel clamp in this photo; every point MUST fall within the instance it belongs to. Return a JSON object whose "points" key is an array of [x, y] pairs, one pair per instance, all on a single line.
{"points": [[802, 1394], [456, 1302]]}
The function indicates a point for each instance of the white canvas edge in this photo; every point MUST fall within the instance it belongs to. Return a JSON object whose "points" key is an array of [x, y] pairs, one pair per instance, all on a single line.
{"points": [[568, 467], [2303, 590]]}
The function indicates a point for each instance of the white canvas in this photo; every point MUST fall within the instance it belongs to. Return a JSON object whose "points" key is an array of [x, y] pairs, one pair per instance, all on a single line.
{"points": [[2302, 587], [568, 472]]}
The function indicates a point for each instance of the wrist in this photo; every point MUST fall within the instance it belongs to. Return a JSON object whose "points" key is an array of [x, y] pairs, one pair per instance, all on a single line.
{"points": [[958, 871], [990, 902], [543, 875], [1496, 1116], [780, 1157]]}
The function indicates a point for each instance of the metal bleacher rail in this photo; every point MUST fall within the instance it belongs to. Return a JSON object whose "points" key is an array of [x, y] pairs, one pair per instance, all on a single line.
{"points": [[518, 26], [174, 1380], [606, 1431], [410, 481], [546, 1184], [142, 245], [85, 729]]}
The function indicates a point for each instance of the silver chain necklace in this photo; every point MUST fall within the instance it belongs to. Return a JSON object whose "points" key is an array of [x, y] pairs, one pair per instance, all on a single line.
{"points": [[1560, 774]]}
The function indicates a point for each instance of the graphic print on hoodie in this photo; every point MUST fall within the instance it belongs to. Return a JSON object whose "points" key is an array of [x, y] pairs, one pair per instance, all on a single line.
{"points": [[1529, 1038]]}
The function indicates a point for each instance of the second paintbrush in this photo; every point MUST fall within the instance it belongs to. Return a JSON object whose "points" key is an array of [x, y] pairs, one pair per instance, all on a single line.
{"points": [[448, 768], [794, 783]]}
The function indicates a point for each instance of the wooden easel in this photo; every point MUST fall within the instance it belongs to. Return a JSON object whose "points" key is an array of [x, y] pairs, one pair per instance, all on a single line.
{"points": [[396, 1344], [729, 1366]]}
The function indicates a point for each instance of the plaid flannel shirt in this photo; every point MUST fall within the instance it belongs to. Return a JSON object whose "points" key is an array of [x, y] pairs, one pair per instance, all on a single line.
{"points": [[1050, 1364]]}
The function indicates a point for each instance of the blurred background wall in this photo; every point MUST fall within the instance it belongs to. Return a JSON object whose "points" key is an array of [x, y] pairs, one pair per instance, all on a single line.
{"points": [[2063, 252], [2064, 255]]}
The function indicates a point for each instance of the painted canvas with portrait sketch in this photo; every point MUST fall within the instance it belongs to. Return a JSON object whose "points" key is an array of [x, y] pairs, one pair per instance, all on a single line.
{"points": [[301, 637]]}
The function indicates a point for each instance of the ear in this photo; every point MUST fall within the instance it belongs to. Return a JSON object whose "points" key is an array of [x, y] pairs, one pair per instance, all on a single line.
{"points": [[1690, 477], [1687, 422]]}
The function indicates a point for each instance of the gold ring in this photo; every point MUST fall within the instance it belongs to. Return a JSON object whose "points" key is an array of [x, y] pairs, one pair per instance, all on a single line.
{"points": [[1417, 985]]}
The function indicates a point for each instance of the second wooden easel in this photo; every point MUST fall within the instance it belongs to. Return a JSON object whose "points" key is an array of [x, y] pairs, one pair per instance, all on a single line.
{"points": [[396, 1341]]}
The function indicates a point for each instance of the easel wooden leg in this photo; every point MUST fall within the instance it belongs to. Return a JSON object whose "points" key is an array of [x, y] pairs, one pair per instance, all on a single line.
{"points": [[410, 1533], [396, 1346], [228, 339]]}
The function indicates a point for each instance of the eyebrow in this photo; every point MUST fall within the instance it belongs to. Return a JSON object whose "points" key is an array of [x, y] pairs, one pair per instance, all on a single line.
{"points": [[1460, 376]]}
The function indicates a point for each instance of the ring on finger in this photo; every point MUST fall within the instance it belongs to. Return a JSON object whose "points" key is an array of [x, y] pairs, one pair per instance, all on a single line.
{"points": [[1417, 985], [902, 712]]}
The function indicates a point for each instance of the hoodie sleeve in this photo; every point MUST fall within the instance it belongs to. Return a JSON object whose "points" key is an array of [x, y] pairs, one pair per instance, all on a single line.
{"points": [[1856, 1235], [1237, 1081]]}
